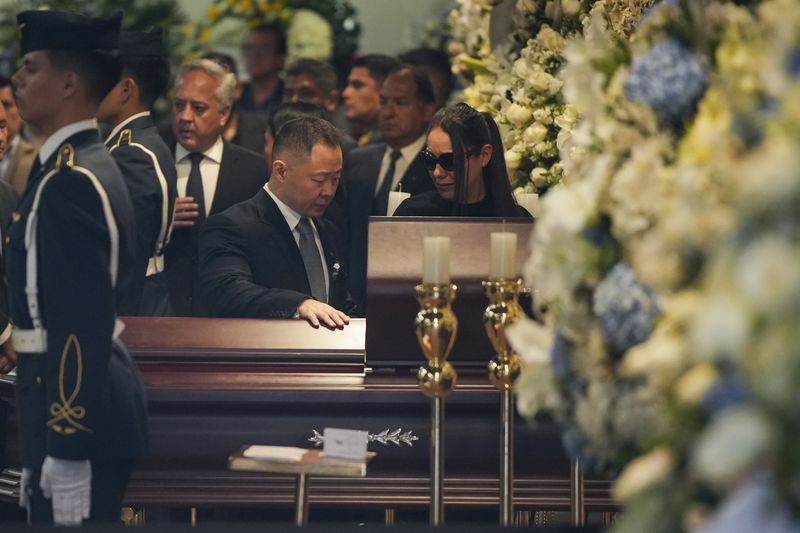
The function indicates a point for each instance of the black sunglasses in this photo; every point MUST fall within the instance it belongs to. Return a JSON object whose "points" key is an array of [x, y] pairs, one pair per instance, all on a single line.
{"points": [[430, 161], [446, 160]]}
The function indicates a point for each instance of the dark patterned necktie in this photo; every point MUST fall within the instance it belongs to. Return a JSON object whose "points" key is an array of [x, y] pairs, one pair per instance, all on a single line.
{"points": [[311, 260], [194, 187], [381, 202]]}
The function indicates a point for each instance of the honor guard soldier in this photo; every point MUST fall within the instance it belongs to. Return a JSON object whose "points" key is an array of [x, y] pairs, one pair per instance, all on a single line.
{"points": [[146, 163], [80, 399]]}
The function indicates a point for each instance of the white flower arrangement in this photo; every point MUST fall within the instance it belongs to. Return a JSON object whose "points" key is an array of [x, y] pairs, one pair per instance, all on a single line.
{"points": [[684, 203]]}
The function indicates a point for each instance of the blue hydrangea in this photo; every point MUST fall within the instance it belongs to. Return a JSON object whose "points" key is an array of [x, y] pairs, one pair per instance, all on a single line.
{"points": [[670, 79], [559, 356], [793, 63], [728, 391], [627, 309], [575, 445], [599, 233]]}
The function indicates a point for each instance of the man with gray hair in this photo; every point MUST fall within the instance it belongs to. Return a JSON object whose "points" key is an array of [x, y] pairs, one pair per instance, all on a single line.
{"points": [[212, 173], [274, 255]]}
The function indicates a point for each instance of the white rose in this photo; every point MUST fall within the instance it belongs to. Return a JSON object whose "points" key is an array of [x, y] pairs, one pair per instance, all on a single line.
{"points": [[550, 9], [692, 387], [540, 80], [535, 133], [543, 115], [513, 159], [518, 114], [540, 176], [520, 69], [570, 7], [736, 441], [642, 473], [550, 38], [720, 328], [527, 6]]}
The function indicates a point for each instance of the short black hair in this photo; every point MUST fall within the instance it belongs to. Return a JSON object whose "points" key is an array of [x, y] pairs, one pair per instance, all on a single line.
{"points": [[425, 92], [277, 29], [225, 60], [4, 82], [302, 134], [378, 65], [151, 74], [437, 64], [292, 110], [320, 71], [99, 70]]}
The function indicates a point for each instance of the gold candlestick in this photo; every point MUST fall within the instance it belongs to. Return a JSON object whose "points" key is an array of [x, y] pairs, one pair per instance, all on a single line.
{"points": [[504, 368], [436, 326]]}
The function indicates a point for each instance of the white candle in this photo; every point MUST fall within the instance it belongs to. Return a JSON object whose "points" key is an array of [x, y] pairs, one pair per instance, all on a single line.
{"points": [[504, 256], [530, 201], [436, 260], [395, 199]]}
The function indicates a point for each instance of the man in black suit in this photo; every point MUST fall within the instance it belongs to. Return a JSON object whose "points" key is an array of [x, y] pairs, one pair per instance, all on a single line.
{"points": [[80, 399], [212, 173], [146, 165], [371, 172], [8, 357], [274, 256]]}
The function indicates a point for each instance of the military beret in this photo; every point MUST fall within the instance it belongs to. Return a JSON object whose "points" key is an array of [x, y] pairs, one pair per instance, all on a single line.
{"points": [[64, 30], [141, 43]]}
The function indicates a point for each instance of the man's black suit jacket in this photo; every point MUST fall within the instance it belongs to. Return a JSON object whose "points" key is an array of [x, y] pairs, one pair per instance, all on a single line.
{"points": [[250, 265], [360, 175], [241, 174]]}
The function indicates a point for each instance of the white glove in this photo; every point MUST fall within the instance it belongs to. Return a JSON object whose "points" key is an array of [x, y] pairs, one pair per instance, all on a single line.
{"points": [[69, 484], [24, 487]]}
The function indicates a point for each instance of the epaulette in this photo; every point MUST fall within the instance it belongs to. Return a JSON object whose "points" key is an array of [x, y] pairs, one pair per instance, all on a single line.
{"points": [[125, 137], [66, 156]]}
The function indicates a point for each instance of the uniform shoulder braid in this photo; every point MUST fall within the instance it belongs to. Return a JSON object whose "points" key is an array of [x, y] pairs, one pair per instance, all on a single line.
{"points": [[125, 137]]}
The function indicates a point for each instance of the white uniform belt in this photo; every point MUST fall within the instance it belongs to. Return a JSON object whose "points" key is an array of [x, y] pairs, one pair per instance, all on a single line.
{"points": [[35, 340], [155, 265]]}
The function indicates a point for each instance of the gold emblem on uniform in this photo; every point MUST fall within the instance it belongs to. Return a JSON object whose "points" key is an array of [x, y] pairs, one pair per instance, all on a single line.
{"points": [[65, 415], [66, 156]]}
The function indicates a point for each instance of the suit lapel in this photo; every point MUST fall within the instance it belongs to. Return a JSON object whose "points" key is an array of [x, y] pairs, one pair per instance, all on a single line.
{"points": [[272, 216], [416, 179], [227, 168]]}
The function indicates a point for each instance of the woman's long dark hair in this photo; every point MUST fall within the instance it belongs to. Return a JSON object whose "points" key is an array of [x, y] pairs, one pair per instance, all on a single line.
{"points": [[469, 130]]}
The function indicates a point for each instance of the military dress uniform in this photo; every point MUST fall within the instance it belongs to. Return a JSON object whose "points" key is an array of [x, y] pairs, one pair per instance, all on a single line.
{"points": [[79, 394], [148, 169]]}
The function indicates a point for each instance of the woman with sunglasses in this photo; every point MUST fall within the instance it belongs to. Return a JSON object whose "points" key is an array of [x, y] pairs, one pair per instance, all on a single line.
{"points": [[464, 156]]}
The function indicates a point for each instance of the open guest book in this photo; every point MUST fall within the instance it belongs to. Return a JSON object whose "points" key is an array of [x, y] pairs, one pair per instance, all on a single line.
{"points": [[291, 460]]}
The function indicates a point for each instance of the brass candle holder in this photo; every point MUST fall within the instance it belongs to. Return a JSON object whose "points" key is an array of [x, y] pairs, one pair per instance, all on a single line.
{"points": [[504, 368], [436, 327]]}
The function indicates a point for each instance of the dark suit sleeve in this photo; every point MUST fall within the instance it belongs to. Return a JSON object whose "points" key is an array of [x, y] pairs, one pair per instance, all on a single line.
{"points": [[8, 200], [145, 192], [226, 279], [77, 301]]}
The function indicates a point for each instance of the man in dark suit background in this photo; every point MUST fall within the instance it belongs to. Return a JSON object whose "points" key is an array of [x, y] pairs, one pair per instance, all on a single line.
{"points": [[80, 399], [371, 172], [20, 152], [8, 357], [274, 256], [212, 173], [361, 96], [146, 165]]}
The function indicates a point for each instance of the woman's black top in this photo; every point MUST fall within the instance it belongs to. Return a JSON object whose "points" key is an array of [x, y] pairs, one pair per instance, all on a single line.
{"points": [[431, 204]]}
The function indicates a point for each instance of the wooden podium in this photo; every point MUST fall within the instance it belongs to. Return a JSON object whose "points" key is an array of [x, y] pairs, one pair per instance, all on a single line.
{"points": [[287, 461]]}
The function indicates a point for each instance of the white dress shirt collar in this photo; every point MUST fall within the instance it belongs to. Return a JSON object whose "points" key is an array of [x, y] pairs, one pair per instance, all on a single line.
{"points": [[214, 153], [55, 140], [292, 217], [124, 123]]}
